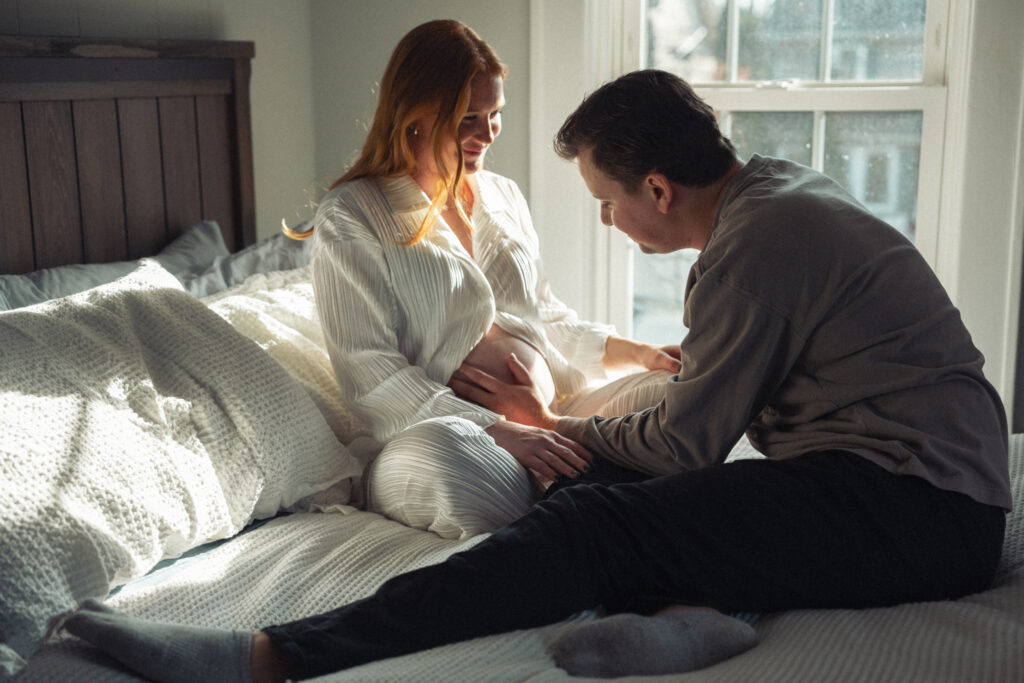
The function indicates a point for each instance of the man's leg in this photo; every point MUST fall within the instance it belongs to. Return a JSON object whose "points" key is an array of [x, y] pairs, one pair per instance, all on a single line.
{"points": [[823, 530]]}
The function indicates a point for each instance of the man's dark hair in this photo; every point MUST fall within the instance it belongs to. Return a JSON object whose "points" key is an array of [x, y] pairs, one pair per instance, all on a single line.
{"points": [[648, 121]]}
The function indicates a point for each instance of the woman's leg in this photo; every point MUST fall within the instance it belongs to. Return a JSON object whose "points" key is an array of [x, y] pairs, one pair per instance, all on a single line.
{"points": [[447, 475], [823, 530], [628, 394]]}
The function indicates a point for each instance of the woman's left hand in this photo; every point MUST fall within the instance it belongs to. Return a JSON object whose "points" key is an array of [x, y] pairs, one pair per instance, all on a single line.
{"points": [[661, 357], [623, 353], [522, 402]]}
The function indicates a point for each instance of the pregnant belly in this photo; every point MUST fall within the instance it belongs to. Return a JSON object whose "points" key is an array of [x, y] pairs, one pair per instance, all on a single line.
{"points": [[491, 354]]}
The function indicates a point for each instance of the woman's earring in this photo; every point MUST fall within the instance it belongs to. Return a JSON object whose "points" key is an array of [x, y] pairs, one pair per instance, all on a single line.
{"points": [[415, 131]]}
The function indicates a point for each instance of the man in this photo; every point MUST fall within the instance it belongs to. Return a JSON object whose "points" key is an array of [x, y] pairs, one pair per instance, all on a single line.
{"points": [[815, 328]]}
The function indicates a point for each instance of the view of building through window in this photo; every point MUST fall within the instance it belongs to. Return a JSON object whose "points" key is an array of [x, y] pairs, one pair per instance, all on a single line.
{"points": [[823, 47]]}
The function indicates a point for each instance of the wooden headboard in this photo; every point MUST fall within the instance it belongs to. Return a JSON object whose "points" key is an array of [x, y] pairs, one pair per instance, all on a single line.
{"points": [[109, 149]]}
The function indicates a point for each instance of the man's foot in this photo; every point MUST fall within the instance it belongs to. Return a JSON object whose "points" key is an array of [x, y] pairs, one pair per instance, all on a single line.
{"points": [[673, 641]]}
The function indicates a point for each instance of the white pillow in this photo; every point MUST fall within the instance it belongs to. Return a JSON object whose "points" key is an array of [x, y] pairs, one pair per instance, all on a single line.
{"points": [[136, 425], [277, 310]]}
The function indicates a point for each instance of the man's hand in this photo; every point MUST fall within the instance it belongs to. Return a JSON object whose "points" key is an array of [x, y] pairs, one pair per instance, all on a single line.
{"points": [[528, 432], [546, 453], [521, 402]]}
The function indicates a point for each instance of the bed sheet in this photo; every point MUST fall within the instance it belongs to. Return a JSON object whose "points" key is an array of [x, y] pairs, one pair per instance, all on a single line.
{"points": [[306, 563]]}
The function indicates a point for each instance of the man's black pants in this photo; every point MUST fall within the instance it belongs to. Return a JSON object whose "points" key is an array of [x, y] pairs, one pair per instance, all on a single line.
{"points": [[825, 530]]}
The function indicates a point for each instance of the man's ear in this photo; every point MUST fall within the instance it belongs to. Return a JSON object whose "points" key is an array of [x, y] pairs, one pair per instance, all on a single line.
{"points": [[659, 188]]}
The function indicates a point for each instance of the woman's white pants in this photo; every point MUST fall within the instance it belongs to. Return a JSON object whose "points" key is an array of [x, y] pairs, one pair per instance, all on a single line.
{"points": [[447, 475]]}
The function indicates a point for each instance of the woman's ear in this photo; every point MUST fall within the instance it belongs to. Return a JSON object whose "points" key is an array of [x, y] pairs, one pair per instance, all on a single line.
{"points": [[659, 188]]}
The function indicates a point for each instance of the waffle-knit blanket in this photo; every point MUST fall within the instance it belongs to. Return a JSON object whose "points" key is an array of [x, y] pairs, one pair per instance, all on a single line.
{"points": [[136, 424]]}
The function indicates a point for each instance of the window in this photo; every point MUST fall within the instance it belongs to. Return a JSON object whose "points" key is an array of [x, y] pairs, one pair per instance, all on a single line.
{"points": [[852, 88]]}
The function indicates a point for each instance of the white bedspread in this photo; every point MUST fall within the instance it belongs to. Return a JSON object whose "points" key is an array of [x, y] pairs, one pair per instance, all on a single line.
{"points": [[136, 424]]}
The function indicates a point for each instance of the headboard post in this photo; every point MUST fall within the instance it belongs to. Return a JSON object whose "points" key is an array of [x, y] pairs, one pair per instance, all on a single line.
{"points": [[243, 134]]}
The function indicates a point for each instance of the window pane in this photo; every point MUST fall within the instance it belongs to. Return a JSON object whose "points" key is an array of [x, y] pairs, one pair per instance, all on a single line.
{"points": [[876, 156], [779, 39], [775, 134], [878, 40], [688, 38], [659, 282]]}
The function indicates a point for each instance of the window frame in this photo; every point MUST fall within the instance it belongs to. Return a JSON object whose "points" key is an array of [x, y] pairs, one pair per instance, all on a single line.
{"points": [[929, 96], [980, 234]]}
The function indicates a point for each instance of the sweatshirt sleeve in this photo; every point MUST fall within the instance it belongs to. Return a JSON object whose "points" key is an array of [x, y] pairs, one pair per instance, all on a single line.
{"points": [[737, 352], [361, 322]]}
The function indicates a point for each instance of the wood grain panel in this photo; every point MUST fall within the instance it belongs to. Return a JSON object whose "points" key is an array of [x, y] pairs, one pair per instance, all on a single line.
{"points": [[63, 101], [145, 219], [53, 186], [100, 189], [16, 254], [214, 128], [180, 151]]}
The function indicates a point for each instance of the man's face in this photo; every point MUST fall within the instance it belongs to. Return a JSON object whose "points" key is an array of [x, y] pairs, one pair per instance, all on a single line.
{"points": [[634, 213]]}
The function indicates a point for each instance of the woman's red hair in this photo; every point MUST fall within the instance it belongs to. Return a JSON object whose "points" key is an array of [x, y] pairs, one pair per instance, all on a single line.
{"points": [[429, 71]]}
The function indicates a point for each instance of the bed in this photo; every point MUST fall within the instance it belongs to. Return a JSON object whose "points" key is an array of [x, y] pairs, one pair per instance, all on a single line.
{"points": [[173, 436]]}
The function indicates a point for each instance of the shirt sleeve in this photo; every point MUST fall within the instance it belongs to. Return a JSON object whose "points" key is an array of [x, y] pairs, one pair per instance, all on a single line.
{"points": [[737, 352], [358, 312], [581, 343]]}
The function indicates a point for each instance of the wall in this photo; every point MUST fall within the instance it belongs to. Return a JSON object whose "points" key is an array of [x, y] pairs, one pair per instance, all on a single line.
{"points": [[352, 40], [281, 90], [980, 253]]}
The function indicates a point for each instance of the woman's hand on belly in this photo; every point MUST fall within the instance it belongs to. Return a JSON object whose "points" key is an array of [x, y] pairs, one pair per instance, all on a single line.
{"points": [[527, 432], [492, 354], [521, 400]]}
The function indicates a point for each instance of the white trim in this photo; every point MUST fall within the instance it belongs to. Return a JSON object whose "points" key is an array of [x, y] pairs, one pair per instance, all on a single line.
{"points": [[806, 97], [1011, 312], [562, 71], [958, 69], [936, 31]]}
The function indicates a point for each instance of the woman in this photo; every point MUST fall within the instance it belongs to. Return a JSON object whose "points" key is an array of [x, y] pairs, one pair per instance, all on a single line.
{"points": [[422, 261]]}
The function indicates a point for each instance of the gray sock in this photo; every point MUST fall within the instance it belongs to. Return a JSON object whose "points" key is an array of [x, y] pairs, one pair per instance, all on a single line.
{"points": [[168, 653], [632, 645]]}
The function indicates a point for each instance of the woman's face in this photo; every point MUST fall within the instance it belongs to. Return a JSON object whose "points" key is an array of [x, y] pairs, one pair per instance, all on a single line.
{"points": [[477, 130], [482, 122]]}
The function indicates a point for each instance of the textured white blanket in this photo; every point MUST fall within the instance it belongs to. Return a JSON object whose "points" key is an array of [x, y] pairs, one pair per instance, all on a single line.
{"points": [[136, 424]]}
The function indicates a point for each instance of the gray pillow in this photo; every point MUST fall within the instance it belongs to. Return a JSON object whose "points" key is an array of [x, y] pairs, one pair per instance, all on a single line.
{"points": [[187, 256], [273, 253]]}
